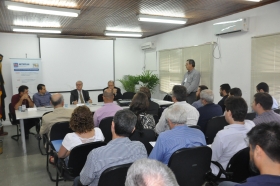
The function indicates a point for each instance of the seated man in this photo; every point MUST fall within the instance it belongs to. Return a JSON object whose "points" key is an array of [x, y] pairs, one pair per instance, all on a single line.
{"points": [[180, 135], [42, 97], [197, 104], [224, 91], [153, 107], [117, 152], [209, 110], [116, 91], [235, 92], [231, 139], [150, 173], [179, 96], [59, 114], [22, 98], [262, 106], [264, 88], [78, 95], [109, 108]]}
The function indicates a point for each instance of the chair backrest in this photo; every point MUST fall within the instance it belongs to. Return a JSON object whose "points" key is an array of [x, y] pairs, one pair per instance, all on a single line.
{"points": [[239, 165], [105, 126], [195, 126], [277, 111], [167, 97], [115, 175], [12, 116], [156, 118], [78, 156], [250, 115], [59, 130], [190, 165], [128, 95], [47, 113], [144, 136], [214, 125], [100, 98]]}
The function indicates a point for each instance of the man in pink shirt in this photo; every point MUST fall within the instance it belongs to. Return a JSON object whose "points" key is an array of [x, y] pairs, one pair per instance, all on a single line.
{"points": [[109, 108]]}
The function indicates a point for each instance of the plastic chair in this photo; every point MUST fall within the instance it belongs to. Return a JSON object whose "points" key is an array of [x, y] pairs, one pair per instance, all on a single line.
{"points": [[214, 125], [100, 98], [250, 115], [191, 165], [128, 95], [105, 126], [115, 175]]}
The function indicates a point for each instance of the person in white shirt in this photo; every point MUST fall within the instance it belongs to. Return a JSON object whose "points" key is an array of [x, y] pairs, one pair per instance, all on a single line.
{"points": [[264, 88], [231, 139]]}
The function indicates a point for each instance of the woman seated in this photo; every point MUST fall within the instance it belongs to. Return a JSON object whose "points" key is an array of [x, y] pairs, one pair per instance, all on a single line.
{"points": [[81, 123], [139, 105]]}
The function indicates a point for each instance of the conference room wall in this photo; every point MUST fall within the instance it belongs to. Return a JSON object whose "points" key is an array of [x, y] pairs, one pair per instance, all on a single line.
{"points": [[234, 66]]}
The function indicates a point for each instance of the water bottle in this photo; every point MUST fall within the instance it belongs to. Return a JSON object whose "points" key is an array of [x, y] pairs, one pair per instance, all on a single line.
{"points": [[23, 108]]}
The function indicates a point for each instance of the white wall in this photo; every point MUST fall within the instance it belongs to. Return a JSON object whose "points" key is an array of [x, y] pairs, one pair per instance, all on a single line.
{"points": [[234, 67]]}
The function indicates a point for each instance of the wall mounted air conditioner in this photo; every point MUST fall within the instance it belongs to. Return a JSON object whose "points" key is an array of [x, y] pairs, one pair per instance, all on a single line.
{"points": [[147, 45], [227, 27]]}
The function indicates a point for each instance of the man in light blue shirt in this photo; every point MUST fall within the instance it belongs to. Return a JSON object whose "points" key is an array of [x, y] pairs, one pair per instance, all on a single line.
{"points": [[180, 136], [42, 97], [264, 88]]}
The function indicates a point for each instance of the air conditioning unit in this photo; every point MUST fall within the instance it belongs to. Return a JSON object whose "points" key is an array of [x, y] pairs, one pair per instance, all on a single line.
{"points": [[227, 27], [147, 45]]}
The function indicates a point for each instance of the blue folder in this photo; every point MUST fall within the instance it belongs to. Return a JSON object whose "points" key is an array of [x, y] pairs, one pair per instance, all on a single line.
{"points": [[56, 144]]}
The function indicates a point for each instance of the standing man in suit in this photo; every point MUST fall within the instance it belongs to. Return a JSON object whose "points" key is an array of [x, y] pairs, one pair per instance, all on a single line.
{"points": [[116, 91], [78, 95]]}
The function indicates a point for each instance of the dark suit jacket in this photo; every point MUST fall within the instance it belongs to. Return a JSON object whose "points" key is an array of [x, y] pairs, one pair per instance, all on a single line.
{"points": [[153, 108], [118, 95], [74, 95], [222, 103]]}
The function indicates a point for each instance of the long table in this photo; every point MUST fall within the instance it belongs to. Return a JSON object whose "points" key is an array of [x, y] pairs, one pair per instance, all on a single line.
{"points": [[38, 113]]}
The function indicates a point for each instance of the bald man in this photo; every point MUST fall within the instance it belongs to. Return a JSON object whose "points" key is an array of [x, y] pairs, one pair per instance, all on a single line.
{"points": [[58, 115], [79, 95]]}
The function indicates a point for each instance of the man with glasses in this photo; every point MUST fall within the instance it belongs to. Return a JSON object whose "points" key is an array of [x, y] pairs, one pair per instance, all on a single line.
{"points": [[79, 96]]}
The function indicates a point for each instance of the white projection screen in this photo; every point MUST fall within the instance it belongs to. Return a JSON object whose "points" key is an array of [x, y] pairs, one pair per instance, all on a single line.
{"points": [[65, 61]]}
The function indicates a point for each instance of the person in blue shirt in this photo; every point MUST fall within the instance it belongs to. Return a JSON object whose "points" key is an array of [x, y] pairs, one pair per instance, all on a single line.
{"points": [[180, 136], [42, 98]]}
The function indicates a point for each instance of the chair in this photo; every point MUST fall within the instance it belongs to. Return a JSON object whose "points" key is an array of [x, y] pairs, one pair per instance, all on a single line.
{"points": [[167, 97], [105, 126], [128, 95], [156, 118], [250, 115], [144, 136], [100, 98], [115, 175], [14, 121], [77, 160], [38, 137], [195, 127], [214, 125], [191, 165], [277, 111]]}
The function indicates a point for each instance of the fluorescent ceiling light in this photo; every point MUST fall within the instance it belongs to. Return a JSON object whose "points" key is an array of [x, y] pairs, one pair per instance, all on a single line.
{"points": [[162, 19], [123, 34], [254, 0], [41, 9], [37, 23], [36, 30], [225, 22]]}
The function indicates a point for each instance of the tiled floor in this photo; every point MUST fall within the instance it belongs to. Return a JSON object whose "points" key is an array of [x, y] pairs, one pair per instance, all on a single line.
{"points": [[19, 170]]}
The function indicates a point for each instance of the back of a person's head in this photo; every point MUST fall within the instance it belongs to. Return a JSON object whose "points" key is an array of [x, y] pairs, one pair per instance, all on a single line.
{"points": [[146, 91], [235, 92], [237, 106], [207, 95], [139, 103], [148, 172], [264, 99], [225, 87], [177, 114], [57, 99], [202, 87], [125, 121], [264, 86], [108, 94], [81, 120], [179, 92], [266, 136], [22, 88]]}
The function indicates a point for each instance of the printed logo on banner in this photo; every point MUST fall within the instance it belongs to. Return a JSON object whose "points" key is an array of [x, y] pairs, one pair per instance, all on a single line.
{"points": [[35, 65], [15, 64]]}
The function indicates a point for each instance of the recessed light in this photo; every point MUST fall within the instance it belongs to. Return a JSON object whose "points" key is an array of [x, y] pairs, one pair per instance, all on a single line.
{"points": [[36, 30], [123, 34], [162, 19]]}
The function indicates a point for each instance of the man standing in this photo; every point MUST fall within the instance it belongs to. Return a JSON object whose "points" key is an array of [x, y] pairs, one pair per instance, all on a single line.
{"points": [[191, 81], [108, 109], [42, 97], [78, 95], [116, 91], [264, 88], [197, 104], [224, 91]]}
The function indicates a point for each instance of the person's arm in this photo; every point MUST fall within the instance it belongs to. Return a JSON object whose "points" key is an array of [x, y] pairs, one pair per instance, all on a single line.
{"points": [[183, 81], [95, 121], [158, 151], [19, 103], [217, 148], [36, 101], [162, 124], [72, 98], [44, 127], [118, 94], [88, 98], [30, 102], [63, 152], [88, 173], [195, 82]]}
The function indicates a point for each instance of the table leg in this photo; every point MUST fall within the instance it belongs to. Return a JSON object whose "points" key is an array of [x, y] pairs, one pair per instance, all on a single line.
{"points": [[22, 136]]}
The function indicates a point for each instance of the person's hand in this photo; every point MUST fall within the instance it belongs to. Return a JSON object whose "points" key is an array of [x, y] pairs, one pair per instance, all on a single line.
{"points": [[115, 91], [75, 102], [24, 96], [90, 101]]}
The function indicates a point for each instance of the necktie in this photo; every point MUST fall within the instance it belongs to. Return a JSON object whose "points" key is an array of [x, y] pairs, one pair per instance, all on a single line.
{"points": [[81, 97]]}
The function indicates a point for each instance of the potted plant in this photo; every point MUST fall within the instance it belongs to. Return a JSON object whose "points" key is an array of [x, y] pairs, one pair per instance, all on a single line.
{"points": [[129, 82], [149, 80]]}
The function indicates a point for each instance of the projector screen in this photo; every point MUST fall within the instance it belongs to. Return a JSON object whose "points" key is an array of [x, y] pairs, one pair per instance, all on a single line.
{"points": [[65, 61]]}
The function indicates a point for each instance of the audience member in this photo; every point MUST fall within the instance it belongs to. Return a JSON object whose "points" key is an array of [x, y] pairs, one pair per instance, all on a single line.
{"points": [[209, 110], [224, 91], [42, 97], [264, 88], [264, 141], [20, 99], [198, 103], [180, 136], [153, 107], [84, 132], [59, 114], [146, 172], [139, 105], [262, 106], [116, 91], [231, 139], [79, 95], [120, 150], [108, 109], [235, 92], [179, 93]]}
